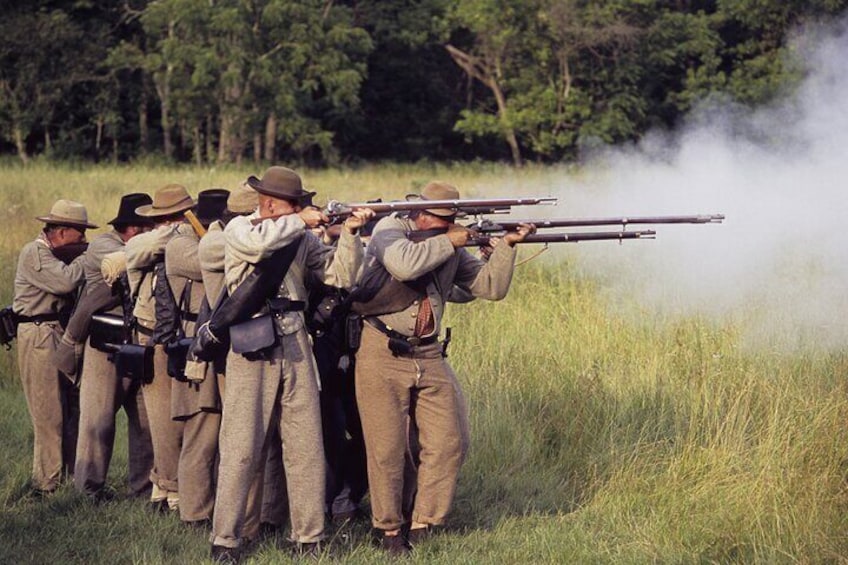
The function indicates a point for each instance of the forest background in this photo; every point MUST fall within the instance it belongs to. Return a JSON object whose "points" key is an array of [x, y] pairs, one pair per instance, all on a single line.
{"points": [[324, 82], [679, 400]]}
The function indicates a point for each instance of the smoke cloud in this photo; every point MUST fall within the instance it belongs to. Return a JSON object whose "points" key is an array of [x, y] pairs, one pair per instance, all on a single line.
{"points": [[778, 265]]}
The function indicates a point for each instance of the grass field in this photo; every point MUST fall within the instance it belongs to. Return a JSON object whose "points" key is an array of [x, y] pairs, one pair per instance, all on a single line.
{"points": [[597, 437]]}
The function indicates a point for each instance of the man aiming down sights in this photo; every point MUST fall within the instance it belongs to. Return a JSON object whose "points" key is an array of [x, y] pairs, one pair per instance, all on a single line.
{"points": [[401, 370], [274, 385]]}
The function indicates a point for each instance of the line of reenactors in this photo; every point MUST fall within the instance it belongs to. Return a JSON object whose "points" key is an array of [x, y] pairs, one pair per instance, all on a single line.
{"points": [[231, 329]]}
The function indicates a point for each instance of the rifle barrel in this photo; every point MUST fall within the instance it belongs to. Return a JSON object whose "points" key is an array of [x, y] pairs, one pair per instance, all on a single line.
{"points": [[512, 225], [469, 205], [572, 237]]}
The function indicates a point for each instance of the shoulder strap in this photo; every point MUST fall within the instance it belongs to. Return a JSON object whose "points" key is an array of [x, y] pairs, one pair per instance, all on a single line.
{"points": [[250, 296], [167, 317]]}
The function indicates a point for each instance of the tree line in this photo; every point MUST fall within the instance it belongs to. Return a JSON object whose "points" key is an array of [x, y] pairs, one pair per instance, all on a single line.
{"points": [[327, 81]]}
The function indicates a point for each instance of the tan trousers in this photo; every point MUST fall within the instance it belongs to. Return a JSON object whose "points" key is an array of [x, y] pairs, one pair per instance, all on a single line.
{"points": [[102, 394], [198, 466], [52, 401], [281, 393], [395, 393], [166, 433]]}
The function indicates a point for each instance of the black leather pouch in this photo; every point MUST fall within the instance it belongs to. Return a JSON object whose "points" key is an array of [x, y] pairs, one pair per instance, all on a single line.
{"points": [[8, 326], [134, 362], [106, 332], [400, 346], [177, 352], [254, 335], [353, 332]]}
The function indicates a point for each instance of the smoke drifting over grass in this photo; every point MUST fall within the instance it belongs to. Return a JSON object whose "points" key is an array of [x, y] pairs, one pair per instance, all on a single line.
{"points": [[779, 263]]}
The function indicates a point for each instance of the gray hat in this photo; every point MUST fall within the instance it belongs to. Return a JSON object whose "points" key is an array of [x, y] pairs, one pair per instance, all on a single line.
{"points": [[282, 183], [438, 190], [67, 213]]}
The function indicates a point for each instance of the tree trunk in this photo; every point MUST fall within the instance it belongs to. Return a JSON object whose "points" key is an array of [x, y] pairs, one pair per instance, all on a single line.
{"points": [[257, 148], [482, 71], [224, 139], [143, 132], [270, 138], [508, 131], [197, 145], [98, 138], [20, 144], [210, 144]]}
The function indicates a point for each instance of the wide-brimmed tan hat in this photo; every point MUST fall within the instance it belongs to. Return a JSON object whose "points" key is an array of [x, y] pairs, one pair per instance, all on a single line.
{"points": [[438, 190], [169, 200], [67, 213], [282, 183], [243, 199]]}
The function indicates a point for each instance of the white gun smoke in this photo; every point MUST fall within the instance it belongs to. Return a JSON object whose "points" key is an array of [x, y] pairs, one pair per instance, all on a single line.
{"points": [[777, 267]]}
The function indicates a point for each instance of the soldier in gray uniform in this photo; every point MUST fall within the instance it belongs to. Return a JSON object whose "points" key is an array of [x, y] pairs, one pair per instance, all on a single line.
{"points": [[102, 391], [403, 380], [45, 289], [145, 264], [195, 402], [277, 387], [267, 506]]}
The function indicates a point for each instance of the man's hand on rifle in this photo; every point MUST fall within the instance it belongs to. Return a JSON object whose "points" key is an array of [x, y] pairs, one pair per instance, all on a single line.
{"points": [[458, 235], [313, 217], [520, 234], [357, 219]]}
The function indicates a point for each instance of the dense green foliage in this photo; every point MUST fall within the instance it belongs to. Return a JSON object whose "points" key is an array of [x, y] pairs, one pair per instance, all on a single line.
{"points": [[317, 81]]}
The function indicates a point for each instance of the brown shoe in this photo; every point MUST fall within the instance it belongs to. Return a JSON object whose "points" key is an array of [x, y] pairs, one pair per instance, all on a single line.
{"points": [[419, 535], [394, 545], [227, 555]]}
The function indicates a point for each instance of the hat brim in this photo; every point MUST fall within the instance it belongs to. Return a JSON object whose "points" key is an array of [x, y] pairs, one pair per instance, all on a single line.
{"points": [[441, 212], [129, 222], [256, 184], [65, 222], [148, 211]]}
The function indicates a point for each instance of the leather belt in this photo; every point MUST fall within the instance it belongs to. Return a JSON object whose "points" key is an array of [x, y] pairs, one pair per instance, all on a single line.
{"points": [[38, 318], [280, 304], [378, 325]]}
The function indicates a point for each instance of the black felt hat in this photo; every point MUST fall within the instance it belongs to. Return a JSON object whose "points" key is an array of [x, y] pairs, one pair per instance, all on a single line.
{"points": [[126, 211], [211, 205]]}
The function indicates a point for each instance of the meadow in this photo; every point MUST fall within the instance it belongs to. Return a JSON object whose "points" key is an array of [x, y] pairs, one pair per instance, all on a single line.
{"points": [[597, 437]]}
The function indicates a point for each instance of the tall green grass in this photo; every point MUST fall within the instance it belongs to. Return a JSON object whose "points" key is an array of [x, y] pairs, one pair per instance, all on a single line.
{"points": [[596, 436]]}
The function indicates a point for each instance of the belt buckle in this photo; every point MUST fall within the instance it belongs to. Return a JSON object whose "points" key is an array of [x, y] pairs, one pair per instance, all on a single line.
{"points": [[414, 340]]}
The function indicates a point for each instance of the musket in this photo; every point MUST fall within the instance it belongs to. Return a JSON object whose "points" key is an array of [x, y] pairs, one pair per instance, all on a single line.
{"points": [[482, 240], [488, 226], [471, 206], [338, 211]]}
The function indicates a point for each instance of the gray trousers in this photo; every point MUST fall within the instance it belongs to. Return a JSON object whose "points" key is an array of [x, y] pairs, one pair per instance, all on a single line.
{"points": [[52, 402], [395, 394], [282, 393], [102, 394]]}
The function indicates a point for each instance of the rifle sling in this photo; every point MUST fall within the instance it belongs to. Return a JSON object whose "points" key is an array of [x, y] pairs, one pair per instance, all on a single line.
{"points": [[253, 293]]}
